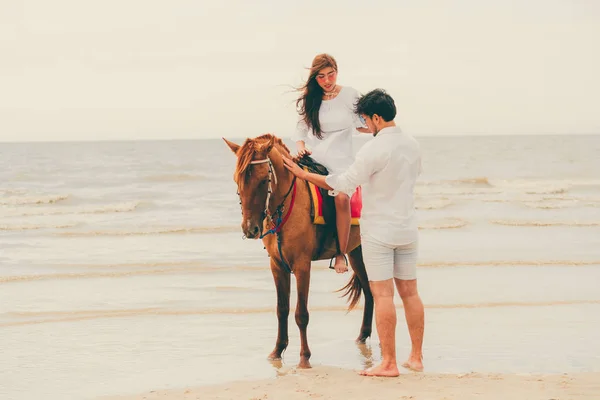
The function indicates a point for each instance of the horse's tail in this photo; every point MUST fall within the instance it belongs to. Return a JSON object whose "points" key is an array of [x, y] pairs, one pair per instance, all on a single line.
{"points": [[353, 290]]}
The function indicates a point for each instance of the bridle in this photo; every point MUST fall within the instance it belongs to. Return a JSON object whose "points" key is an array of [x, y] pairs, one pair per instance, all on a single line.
{"points": [[278, 214], [273, 175], [279, 210]]}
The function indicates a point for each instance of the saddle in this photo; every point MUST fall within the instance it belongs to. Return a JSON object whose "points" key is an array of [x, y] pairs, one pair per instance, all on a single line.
{"points": [[322, 210]]}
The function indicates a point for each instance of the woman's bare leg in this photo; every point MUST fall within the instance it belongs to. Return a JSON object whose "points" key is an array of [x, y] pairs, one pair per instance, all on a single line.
{"points": [[343, 220]]}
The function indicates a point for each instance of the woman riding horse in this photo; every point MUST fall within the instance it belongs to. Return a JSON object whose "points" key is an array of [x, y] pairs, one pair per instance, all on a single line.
{"points": [[276, 207]]}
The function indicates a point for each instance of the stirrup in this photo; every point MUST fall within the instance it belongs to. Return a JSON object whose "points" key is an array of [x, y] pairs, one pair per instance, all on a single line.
{"points": [[333, 258]]}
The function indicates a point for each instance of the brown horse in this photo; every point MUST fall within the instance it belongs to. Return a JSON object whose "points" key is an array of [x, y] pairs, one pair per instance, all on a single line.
{"points": [[276, 207]]}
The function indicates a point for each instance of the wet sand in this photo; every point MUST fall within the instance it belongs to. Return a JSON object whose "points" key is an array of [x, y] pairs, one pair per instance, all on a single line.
{"points": [[344, 384]]}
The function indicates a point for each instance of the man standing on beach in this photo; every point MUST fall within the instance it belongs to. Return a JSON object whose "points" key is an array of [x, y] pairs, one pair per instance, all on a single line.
{"points": [[386, 168]]}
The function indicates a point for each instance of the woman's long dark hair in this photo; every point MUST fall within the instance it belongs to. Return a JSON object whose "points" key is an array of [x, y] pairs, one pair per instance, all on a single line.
{"points": [[309, 103]]}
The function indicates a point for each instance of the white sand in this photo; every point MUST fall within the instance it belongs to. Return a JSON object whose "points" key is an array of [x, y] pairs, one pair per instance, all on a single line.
{"points": [[335, 383]]}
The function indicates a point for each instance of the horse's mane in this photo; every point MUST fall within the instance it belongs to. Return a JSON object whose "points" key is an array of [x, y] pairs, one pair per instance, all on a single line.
{"points": [[246, 153]]}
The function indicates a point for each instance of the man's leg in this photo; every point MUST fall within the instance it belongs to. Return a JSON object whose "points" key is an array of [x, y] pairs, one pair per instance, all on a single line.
{"points": [[385, 321], [405, 277], [379, 261], [415, 319]]}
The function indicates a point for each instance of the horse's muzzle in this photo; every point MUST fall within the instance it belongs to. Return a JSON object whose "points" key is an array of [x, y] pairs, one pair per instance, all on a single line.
{"points": [[252, 231]]}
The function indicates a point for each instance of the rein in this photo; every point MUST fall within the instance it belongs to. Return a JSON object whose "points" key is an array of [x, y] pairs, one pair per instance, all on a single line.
{"points": [[279, 220]]}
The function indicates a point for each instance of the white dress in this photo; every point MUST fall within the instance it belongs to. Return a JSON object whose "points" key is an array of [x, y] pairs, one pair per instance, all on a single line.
{"points": [[338, 123]]}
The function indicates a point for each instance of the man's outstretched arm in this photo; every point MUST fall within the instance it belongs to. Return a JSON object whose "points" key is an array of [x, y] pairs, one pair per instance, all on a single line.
{"points": [[357, 174], [317, 179]]}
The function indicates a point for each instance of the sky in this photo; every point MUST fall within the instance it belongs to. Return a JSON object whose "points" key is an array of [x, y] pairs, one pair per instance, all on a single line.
{"points": [[189, 69]]}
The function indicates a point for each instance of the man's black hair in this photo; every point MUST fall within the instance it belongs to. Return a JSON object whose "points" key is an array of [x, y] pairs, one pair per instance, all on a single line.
{"points": [[376, 102]]}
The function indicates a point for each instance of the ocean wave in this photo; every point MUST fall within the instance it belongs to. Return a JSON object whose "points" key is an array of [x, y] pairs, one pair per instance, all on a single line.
{"points": [[201, 266], [6, 192], [448, 223], [107, 209], [126, 270], [48, 199], [533, 186], [456, 191], [433, 204], [31, 318], [545, 205], [508, 263], [35, 227], [497, 200], [95, 274], [174, 177], [476, 181], [485, 185], [147, 265], [555, 186], [547, 190], [521, 198], [585, 183], [154, 231], [545, 201], [545, 223]]}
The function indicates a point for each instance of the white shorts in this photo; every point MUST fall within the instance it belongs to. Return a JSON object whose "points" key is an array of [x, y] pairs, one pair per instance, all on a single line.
{"points": [[384, 262]]}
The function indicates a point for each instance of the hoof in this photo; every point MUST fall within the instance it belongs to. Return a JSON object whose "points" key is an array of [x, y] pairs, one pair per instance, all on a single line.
{"points": [[362, 339], [304, 364], [274, 356]]}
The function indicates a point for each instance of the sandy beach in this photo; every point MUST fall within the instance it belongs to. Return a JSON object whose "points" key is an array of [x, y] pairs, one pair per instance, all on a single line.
{"points": [[336, 383]]}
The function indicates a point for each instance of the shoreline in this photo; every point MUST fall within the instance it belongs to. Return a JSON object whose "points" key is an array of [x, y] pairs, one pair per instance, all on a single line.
{"points": [[323, 382]]}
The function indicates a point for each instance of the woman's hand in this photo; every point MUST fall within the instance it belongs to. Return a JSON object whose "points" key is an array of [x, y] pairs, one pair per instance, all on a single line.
{"points": [[302, 150]]}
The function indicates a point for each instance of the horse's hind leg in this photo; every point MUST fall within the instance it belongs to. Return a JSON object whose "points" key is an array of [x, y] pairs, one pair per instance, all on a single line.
{"points": [[282, 285], [303, 283], [360, 282]]}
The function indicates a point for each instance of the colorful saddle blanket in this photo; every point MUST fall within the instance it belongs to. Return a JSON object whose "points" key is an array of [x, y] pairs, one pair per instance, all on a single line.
{"points": [[318, 195]]}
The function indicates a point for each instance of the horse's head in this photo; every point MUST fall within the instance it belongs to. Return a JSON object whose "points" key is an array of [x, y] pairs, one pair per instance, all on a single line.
{"points": [[256, 178]]}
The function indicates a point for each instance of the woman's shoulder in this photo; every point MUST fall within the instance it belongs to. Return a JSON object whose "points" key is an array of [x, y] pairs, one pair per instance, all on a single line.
{"points": [[349, 95], [350, 91]]}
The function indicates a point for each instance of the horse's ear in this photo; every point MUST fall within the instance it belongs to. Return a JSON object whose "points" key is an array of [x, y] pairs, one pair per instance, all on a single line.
{"points": [[234, 147], [267, 146]]}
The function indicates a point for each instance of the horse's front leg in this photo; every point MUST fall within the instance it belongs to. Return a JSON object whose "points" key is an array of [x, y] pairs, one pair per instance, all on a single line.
{"points": [[282, 285], [302, 273]]}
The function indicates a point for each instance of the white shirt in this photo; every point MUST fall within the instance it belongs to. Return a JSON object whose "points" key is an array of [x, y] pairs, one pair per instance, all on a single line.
{"points": [[338, 122], [386, 168]]}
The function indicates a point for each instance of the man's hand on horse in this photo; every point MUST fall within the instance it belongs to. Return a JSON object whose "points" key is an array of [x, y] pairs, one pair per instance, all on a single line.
{"points": [[293, 167]]}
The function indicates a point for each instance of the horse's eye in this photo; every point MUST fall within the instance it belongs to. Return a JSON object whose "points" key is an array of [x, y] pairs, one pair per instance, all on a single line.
{"points": [[264, 182]]}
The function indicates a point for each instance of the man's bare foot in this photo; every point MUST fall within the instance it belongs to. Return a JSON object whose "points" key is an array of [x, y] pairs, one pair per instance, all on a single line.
{"points": [[340, 265], [414, 364], [390, 371]]}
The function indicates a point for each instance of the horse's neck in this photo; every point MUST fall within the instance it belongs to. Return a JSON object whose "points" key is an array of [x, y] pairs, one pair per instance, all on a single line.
{"points": [[284, 177], [285, 180]]}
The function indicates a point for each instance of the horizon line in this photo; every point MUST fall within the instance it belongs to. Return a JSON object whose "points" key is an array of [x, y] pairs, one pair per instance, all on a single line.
{"points": [[448, 135]]}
